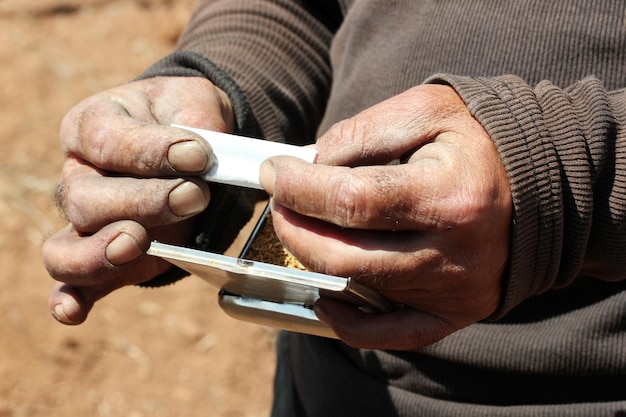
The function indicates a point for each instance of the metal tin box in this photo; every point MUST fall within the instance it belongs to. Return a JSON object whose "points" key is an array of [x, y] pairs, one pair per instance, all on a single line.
{"points": [[264, 293]]}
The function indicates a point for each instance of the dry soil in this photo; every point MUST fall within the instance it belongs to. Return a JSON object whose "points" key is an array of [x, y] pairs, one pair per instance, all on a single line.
{"points": [[142, 352]]}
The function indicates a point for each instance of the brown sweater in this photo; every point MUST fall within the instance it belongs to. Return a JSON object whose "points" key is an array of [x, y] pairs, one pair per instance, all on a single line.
{"points": [[557, 345]]}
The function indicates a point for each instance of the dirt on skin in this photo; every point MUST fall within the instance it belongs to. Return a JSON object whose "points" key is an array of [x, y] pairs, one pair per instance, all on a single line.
{"points": [[142, 352]]}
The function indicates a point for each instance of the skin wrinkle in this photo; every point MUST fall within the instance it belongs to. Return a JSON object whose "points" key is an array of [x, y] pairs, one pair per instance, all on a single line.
{"points": [[433, 263], [145, 95], [147, 161], [376, 274], [384, 183], [357, 134], [344, 198], [122, 107], [428, 220], [355, 211], [354, 127], [70, 204]]}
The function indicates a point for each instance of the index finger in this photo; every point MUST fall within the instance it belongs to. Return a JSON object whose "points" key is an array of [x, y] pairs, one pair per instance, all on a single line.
{"points": [[106, 136], [396, 197]]}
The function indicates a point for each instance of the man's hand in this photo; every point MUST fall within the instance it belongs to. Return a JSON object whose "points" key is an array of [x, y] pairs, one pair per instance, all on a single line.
{"points": [[129, 178], [430, 233]]}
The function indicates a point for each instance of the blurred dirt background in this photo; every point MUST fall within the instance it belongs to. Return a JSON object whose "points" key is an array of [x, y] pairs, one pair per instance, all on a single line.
{"points": [[142, 352]]}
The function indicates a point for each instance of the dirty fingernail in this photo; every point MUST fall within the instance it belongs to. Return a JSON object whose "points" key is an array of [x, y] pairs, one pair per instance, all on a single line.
{"points": [[187, 199], [188, 156], [267, 176], [122, 249]]}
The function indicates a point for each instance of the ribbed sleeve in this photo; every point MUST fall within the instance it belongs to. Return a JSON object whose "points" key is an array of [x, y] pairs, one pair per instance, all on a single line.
{"points": [[558, 149], [276, 52]]}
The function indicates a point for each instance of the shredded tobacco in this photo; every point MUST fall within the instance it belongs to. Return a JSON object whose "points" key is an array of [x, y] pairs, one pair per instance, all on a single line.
{"points": [[267, 248]]}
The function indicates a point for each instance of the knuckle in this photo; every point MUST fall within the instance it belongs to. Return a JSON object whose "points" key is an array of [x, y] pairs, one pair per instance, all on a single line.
{"points": [[354, 132], [75, 200], [332, 134], [347, 203], [83, 133], [343, 144], [69, 130], [65, 266], [48, 256], [79, 123], [373, 199], [74, 212], [69, 199]]}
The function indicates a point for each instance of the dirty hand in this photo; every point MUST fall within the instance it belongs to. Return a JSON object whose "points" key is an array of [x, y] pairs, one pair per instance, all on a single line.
{"points": [[128, 178], [430, 233]]}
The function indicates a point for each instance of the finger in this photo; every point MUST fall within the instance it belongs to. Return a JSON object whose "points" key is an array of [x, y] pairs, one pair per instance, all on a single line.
{"points": [[404, 329], [106, 136], [397, 197], [381, 260], [406, 266], [89, 200], [394, 128], [70, 305], [127, 129], [115, 254]]}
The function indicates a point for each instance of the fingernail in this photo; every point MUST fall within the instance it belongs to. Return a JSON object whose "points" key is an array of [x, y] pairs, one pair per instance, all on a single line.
{"points": [[188, 156], [267, 176], [123, 249], [60, 313], [187, 199]]}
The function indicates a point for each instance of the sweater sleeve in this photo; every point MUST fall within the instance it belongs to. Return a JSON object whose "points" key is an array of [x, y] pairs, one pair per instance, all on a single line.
{"points": [[270, 57], [564, 151]]}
